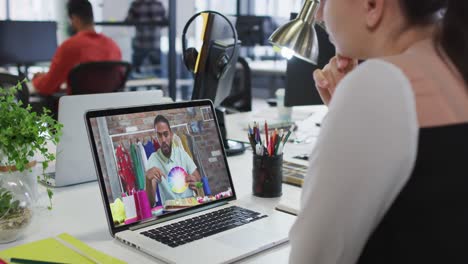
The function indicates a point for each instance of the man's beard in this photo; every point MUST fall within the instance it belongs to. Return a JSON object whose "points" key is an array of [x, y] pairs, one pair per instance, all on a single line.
{"points": [[166, 149]]}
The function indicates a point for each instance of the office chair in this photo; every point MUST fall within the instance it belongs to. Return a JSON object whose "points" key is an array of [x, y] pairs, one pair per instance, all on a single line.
{"points": [[9, 80], [240, 98], [98, 77]]}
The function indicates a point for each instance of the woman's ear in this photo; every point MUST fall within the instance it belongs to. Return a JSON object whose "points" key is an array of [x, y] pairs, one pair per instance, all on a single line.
{"points": [[319, 15], [373, 12]]}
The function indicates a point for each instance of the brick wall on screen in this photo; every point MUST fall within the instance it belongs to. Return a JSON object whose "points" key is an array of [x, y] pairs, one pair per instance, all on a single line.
{"points": [[215, 169], [206, 139]]}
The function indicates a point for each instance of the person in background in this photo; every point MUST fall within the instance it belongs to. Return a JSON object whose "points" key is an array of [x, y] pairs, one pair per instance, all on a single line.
{"points": [[86, 46], [388, 176], [146, 44], [161, 162]]}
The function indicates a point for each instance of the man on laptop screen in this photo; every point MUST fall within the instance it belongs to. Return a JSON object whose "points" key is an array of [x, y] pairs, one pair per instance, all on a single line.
{"points": [[170, 158]]}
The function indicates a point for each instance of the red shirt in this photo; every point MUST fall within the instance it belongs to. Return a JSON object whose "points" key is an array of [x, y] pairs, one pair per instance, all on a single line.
{"points": [[86, 46]]}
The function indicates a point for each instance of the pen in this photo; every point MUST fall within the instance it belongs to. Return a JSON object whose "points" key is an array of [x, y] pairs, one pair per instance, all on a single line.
{"points": [[259, 150], [266, 133], [287, 135], [32, 261], [269, 145], [281, 135], [252, 143], [273, 142], [280, 148], [258, 132], [275, 146]]}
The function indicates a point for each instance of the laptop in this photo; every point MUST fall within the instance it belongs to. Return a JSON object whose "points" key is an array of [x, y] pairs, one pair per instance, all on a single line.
{"points": [[74, 162], [165, 217]]}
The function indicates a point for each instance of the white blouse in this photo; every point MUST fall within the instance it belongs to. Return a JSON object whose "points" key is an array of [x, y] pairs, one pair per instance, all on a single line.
{"points": [[364, 155]]}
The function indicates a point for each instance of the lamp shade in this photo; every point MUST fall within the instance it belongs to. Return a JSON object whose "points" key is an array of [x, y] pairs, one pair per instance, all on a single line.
{"points": [[298, 36]]}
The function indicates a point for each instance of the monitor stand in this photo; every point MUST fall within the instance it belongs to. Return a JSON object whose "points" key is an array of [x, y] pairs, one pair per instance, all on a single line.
{"points": [[231, 147]]}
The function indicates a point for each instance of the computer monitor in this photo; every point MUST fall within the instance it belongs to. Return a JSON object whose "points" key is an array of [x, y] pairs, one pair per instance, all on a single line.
{"points": [[27, 42], [300, 84], [218, 41], [207, 84], [254, 30]]}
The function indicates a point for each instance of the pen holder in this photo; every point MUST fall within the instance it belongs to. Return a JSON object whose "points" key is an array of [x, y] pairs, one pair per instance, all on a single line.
{"points": [[267, 175]]}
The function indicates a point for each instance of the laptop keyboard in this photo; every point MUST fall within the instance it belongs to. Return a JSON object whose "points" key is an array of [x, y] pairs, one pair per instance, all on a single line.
{"points": [[205, 225]]}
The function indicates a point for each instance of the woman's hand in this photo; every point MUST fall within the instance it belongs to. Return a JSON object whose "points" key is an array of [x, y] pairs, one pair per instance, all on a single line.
{"points": [[328, 78]]}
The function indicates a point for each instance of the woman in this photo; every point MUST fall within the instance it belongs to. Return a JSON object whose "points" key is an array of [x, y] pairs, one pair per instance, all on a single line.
{"points": [[388, 178]]}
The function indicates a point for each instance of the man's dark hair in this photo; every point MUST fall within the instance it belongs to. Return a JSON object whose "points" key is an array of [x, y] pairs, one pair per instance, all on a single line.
{"points": [[82, 9], [161, 118]]}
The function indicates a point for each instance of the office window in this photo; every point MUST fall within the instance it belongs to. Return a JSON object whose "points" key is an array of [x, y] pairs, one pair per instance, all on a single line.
{"points": [[276, 8], [2, 9], [225, 7], [37, 10]]}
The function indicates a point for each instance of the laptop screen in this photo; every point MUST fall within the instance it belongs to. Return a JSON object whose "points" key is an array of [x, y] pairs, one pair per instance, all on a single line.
{"points": [[156, 160]]}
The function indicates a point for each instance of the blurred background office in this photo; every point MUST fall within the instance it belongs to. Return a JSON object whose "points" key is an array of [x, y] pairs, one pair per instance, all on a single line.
{"points": [[160, 66]]}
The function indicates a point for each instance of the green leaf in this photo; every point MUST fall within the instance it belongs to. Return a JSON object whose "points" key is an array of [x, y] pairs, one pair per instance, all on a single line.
{"points": [[24, 133]]}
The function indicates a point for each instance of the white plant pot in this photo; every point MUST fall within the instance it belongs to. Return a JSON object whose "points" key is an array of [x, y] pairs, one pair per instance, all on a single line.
{"points": [[29, 177], [15, 220]]}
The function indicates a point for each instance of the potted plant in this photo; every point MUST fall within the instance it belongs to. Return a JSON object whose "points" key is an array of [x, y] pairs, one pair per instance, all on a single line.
{"points": [[23, 134]]}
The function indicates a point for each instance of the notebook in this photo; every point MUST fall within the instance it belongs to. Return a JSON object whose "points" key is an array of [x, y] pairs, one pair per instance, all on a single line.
{"points": [[185, 172], [62, 249], [74, 163]]}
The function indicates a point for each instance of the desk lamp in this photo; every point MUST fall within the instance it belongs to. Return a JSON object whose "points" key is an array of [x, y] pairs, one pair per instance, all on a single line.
{"points": [[298, 37]]}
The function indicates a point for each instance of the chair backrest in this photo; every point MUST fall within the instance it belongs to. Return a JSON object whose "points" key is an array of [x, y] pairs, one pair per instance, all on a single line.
{"points": [[98, 77], [9, 80], [240, 98]]}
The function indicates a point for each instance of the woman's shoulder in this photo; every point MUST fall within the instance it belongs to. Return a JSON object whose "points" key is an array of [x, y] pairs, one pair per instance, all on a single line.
{"points": [[377, 73], [374, 84]]}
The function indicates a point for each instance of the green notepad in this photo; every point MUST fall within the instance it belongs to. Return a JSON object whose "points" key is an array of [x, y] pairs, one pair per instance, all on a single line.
{"points": [[50, 249]]}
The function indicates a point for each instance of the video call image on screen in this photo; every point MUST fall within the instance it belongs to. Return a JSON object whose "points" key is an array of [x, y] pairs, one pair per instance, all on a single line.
{"points": [[158, 162]]}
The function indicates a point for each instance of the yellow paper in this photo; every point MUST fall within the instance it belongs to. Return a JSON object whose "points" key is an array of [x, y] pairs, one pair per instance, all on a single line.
{"points": [[52, 250]]}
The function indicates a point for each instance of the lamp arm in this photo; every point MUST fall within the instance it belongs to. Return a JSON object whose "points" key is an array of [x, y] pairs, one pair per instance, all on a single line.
{"points": [[309, 10]]}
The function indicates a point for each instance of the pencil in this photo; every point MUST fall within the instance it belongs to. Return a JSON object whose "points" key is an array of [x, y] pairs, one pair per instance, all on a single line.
{"points": [[252, 143], [289, 133]]}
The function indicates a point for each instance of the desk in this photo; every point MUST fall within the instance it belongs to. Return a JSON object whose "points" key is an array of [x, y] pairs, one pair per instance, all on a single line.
{"points": [[164, 82], [268, 67], [157, 82], [78, 210]]}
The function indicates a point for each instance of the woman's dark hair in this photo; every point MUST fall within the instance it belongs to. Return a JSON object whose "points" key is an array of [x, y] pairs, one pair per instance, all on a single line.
{"points": [[82, 9], [453, 34]]}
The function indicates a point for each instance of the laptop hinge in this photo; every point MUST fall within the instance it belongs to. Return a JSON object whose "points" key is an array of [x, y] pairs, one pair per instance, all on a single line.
{"points": [[182, 214]]}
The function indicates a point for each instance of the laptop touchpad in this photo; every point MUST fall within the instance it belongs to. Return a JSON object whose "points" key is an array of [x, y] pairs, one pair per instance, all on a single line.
{"points": [[247, 238]]}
